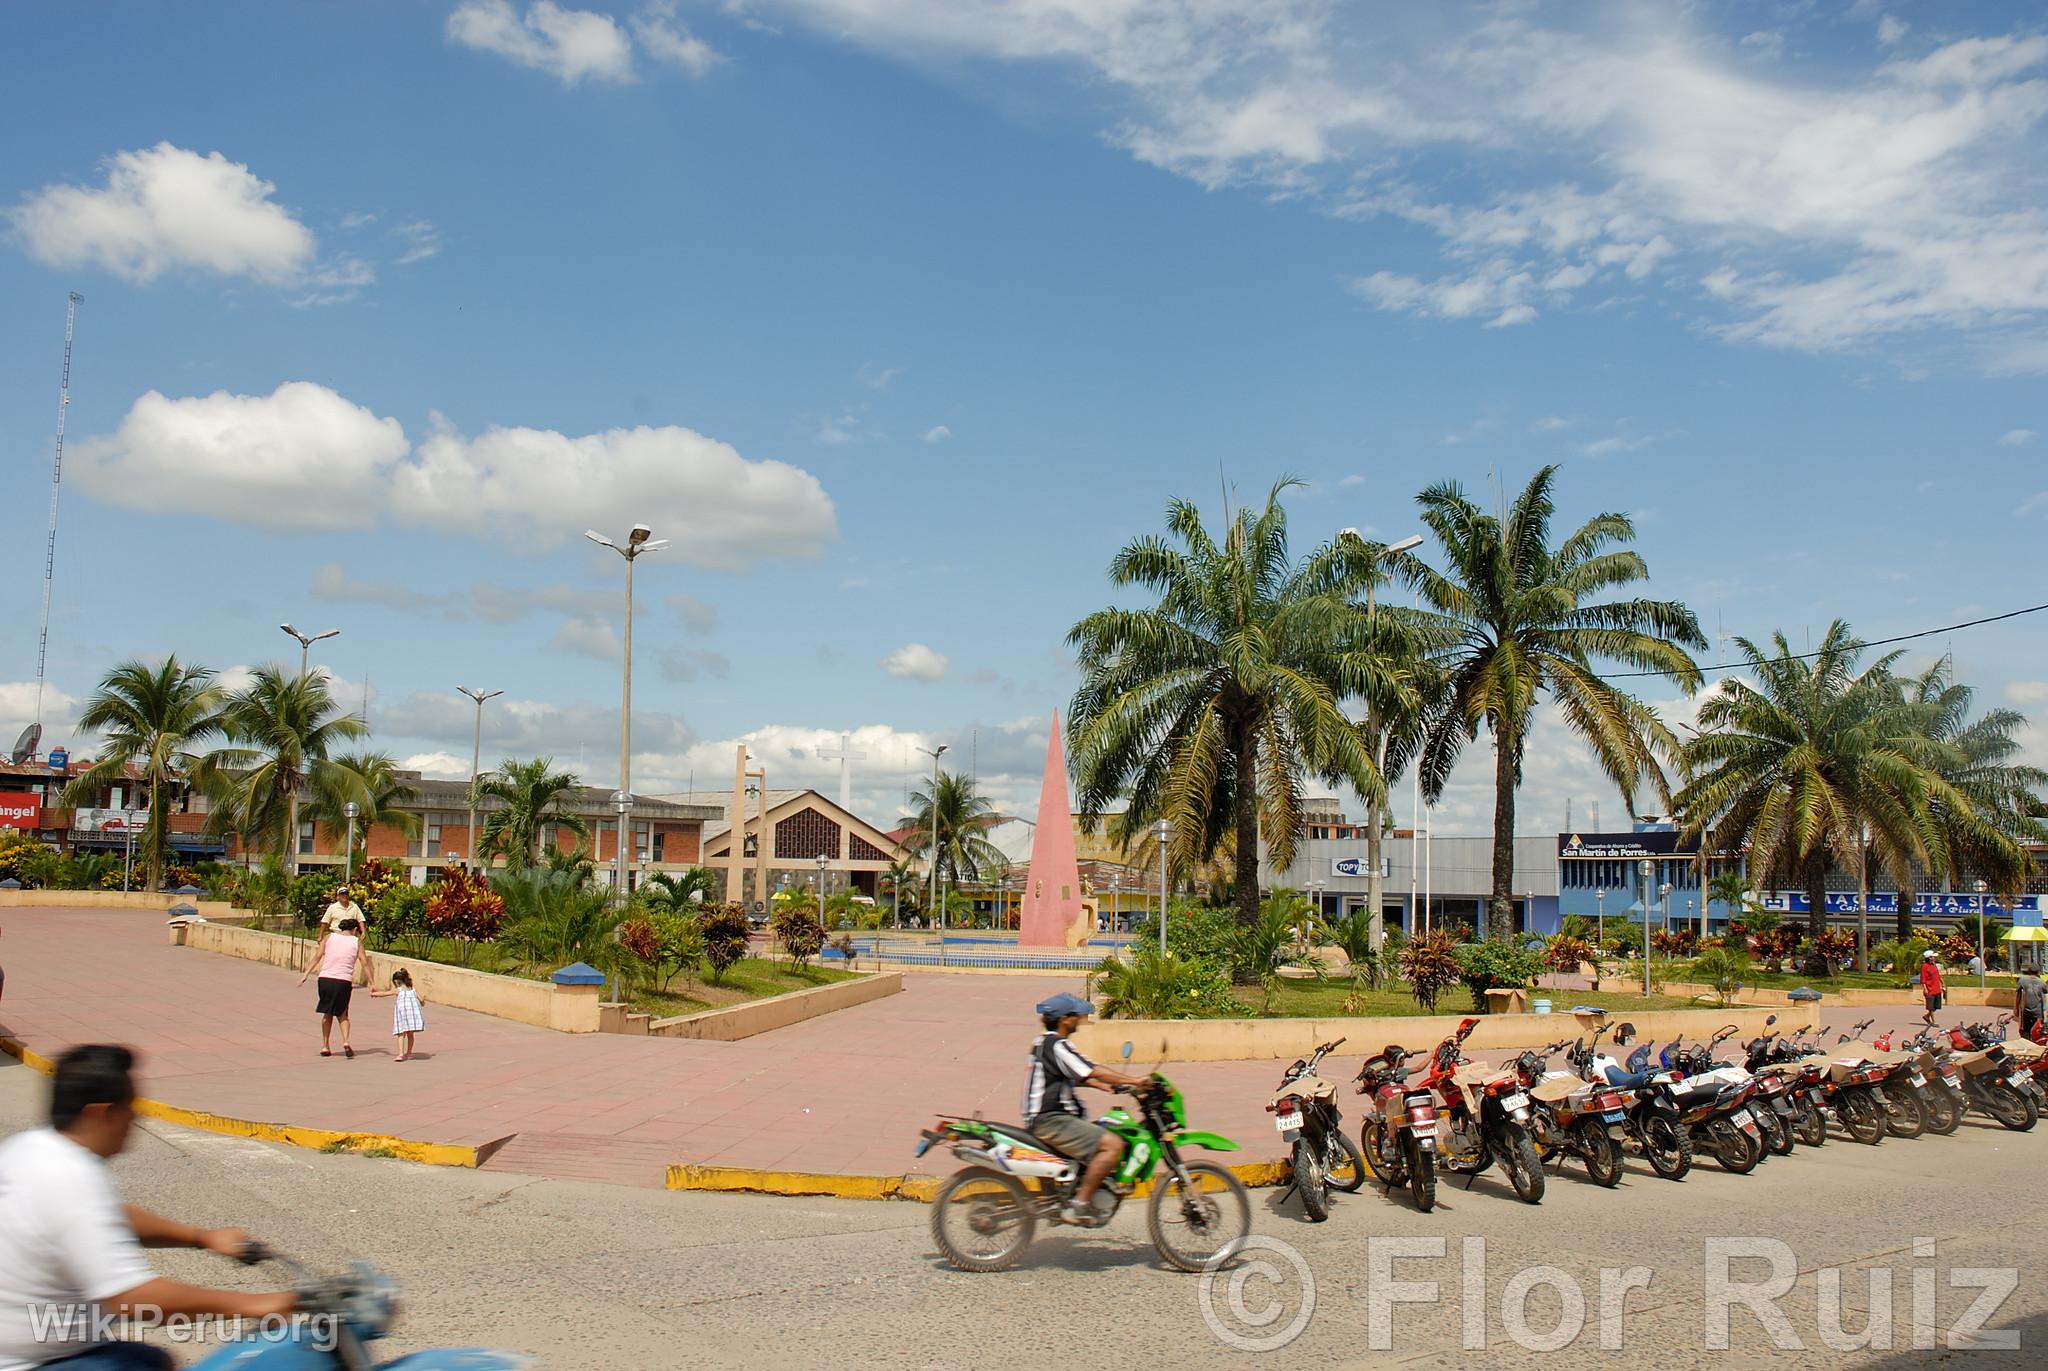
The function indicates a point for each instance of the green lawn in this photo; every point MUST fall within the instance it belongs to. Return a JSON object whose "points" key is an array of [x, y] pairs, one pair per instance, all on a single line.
{"points": [[1325, 999]]}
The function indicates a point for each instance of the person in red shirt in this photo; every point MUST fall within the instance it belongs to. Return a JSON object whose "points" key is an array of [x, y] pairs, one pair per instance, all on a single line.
{"points": [[1930, 985]]}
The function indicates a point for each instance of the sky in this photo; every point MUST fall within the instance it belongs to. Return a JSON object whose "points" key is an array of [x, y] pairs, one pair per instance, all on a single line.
{"points": [[899, 317]]}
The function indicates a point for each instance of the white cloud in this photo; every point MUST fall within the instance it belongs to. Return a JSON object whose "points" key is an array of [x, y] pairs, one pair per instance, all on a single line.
{"points": [[1765, 43], [915, 662], [165, 208], [568, 44], [1354, 479], [1890, 30], [60, 717], [665, 40], [438, 766], [690, 663], [588, 637], [2026, 694], [2033, 503], [878, 377], [303, 457], [2013, 437], [697, 616], [420, 240], [937, 433], [332, 583], [299, 458]]}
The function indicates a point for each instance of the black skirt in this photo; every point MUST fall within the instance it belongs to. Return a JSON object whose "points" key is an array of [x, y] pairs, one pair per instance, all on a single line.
{"points": [[334, 994]]}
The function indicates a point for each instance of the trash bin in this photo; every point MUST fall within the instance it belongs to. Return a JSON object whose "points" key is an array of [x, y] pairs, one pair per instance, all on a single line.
{"points": [[1540, 1007]]}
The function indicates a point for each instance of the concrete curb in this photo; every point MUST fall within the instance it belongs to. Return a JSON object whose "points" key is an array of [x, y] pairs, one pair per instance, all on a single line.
{"points": [[920, 1188], [427, 1154]]}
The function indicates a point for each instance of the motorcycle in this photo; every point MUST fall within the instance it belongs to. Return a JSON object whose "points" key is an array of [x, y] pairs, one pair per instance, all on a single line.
{"points": [[1915, 1077], [1713, 1100], [1849, 1090], [1571, 1115], [1776, 1061], [1398, 1138], [337, 1316], [1990, 1082], [1305, 1112], [1654, 1125], [985, 1214], [1492, 1126]]}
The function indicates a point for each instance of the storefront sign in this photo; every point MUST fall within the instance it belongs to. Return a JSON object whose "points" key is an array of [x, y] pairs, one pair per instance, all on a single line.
{"points": [[115, 821], [1616, 847], [21, 811], [1887, 902]]}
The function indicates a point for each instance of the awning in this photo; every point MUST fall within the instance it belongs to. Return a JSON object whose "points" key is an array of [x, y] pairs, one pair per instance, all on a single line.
{"points": [[2036, 934]]}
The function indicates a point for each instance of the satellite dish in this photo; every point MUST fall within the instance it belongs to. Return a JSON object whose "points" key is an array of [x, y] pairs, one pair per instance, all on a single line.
{"points": [[25, 746]]}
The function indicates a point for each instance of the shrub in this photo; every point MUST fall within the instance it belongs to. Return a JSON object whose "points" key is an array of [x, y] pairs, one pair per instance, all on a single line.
{"points": [[1430, 966], [1154, 987], [1903, 958], [1776, 943], [1260, 949], [1832, 948], [796, 927], [1577, 926], [1496, 965], [1723, 969], [463, 907], [399, 920], [15, 847], [1202, 933], [724, 929], [1353, 934], [308, 895], [678, 946], [1566, 952]]}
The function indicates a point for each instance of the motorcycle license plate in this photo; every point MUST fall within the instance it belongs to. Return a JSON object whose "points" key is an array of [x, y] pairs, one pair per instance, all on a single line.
{"points": [[1514, 1102], [1919, 1079], [1748, 1121], [1287, 1123]]}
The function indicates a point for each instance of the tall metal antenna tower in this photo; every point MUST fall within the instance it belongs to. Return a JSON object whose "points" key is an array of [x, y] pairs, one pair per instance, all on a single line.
{"points": [[56, 487]]}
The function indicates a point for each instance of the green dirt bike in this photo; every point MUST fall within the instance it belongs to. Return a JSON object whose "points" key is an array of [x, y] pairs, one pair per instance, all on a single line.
{"points": [[985, 1215]]}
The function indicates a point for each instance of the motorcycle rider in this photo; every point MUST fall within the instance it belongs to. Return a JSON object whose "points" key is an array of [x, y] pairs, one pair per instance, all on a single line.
{"points": [[71, 1249], [1053, 1113]]}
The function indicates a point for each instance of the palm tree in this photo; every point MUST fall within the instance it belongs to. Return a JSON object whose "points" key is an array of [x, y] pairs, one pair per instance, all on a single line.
{"points": [[964, 816], [1980, 760], [1523, 620], [679, 892], [281, 728], [149, 719], [1816, 761], [372, 782], [529, 796], [1213, 707]]}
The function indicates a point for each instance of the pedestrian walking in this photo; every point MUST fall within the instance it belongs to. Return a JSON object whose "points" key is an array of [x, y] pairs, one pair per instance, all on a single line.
{"points": [[2031, 999], [337, 958], [342, 907], [407, 1018], [1930, 984]]}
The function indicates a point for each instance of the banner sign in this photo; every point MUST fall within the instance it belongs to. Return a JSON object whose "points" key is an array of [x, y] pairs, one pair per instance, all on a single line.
{"points": [[114, 821], [1616, 847], [1355, 866], [1887, 902], [21, 811]]}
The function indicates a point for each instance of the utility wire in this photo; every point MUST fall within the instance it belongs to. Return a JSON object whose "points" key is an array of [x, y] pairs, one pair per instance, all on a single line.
{"points": [[1881, 642]]}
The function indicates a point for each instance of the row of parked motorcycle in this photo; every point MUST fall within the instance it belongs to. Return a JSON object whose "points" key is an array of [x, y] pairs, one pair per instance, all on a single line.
{"points": [[1784, 1091]]}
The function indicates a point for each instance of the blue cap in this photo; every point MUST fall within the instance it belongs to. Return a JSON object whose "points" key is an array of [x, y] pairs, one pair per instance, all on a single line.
{"points": [[1064, 1004]]}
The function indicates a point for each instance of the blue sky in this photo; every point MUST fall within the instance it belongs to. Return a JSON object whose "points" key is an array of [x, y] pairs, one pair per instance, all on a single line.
{"points": [[900, 316]]}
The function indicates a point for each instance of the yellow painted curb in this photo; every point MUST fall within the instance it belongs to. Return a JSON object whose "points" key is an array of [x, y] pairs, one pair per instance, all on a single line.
{"points": [[921, 1188], [428, 1154]]}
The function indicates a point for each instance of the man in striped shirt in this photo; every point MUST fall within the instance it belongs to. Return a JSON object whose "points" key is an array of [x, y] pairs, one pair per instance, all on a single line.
{"points": [[1052, 1111]]}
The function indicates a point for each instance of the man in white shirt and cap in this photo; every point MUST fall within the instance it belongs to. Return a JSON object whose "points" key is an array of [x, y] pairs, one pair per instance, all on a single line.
{"points": [[342, 908]]}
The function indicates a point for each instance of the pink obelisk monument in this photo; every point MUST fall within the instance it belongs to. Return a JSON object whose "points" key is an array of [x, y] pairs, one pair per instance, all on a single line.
{"points": [[1051, 915]]}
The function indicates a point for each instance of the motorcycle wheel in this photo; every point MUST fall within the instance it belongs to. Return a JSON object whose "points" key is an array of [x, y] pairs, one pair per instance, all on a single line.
{"points": [[982, 1220], [1422, 1180], [1809, 1123], [1668, 1145], [1388, 1171], [1734, 1149], [1343, 1165], [1778, 1133], [1310, 1181], [1861, 1116], [1901, 1111], [2011, 1108], [1943, 1114], [1200, 1223], [1603, 1158], [1518, 1160]]}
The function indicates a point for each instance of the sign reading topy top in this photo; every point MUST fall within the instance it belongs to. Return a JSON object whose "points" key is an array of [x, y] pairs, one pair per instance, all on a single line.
{"points": [[21, 811]]}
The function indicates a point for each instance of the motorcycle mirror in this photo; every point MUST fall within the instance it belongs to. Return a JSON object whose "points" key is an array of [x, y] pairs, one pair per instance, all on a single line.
{"points": [[1127, 1052], [1771, 1020], [1624, 1030]]}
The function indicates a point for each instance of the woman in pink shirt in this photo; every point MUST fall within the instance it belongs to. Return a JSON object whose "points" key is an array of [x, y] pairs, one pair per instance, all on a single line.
{"points": [[335, 959]]}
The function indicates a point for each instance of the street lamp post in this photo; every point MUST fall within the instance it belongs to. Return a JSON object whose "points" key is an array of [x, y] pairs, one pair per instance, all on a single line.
{"points": [[1983, 914], [1599, 922], [622, 801], [306, 641], [1375, 812], [348, 857], [637, 542], [1645, 869], [476, 749], [1162, 830], [933, 888], [823, 862]]}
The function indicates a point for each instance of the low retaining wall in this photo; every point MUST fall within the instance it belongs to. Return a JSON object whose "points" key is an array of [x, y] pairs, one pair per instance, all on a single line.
{"points": [[564, 1008], [1998, 997], [780, 1011], [1231, 1040], [114, 899]]}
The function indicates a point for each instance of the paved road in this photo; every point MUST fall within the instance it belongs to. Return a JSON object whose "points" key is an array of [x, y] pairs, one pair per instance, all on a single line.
{"points": [[845, 1093], [588, 1275]]}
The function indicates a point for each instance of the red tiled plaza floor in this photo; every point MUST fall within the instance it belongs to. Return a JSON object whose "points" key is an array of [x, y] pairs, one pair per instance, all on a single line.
{"points": [[845, 1093]]}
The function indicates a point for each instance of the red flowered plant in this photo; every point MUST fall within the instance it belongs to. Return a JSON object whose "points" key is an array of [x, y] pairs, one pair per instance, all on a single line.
{"points": [[463, 907]]}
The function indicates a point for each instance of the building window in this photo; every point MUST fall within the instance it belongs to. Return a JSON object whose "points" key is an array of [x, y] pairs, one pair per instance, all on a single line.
{"points": [[306, 839], [660, 846], [434, 837]]}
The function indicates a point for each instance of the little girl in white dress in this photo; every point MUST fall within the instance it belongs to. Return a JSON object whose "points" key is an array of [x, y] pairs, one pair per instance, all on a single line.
{"points": [[406, 1016]]}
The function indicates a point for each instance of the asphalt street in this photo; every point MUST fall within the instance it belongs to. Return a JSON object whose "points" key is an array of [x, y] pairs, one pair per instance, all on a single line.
{"points": [[587, 1275]]}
